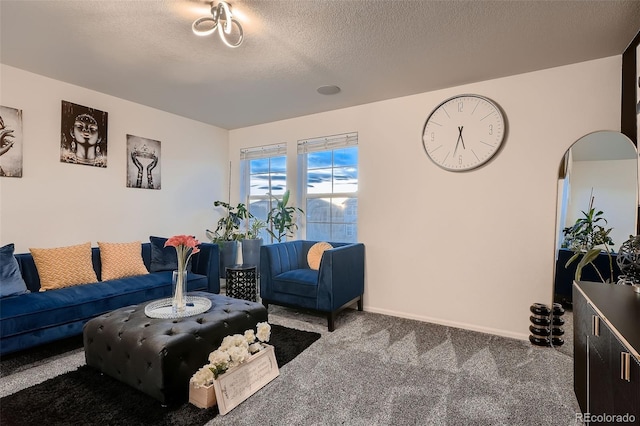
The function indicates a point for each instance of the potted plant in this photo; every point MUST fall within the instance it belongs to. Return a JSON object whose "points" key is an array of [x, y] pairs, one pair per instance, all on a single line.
{"points": [[587, 238], [281, 219], [252, 241], [227, 233]]}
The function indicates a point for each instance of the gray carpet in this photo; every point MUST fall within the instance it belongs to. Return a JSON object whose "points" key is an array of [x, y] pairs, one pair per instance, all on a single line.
{"points": [[380, 370]]}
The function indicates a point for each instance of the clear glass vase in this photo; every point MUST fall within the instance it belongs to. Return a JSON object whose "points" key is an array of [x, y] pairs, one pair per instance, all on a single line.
{"points": [[179, 302]]}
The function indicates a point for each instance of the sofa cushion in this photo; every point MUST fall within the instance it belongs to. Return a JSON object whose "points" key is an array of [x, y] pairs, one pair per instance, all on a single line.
{"points": [[301, 282], [314, 255], [64, 266], [35, 311], [11, 282], [163, 258], [121, 260]]}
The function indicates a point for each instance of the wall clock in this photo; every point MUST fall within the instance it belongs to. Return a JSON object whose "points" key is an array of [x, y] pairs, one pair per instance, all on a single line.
{"points": [[463, 132]]}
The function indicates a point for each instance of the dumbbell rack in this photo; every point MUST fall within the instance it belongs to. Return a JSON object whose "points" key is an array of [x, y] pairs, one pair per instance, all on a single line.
{"points": [[546, 325]]}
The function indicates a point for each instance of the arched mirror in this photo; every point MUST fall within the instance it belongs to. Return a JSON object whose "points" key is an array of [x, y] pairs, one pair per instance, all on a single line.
{"points": [[599, 172]]}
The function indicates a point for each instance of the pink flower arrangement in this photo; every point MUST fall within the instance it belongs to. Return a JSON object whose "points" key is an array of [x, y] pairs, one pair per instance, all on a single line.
{"points": [[186, 246]]}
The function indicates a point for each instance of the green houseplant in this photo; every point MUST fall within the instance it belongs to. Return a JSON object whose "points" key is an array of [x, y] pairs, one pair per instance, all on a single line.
{"points": [[254, 227], [228, 228], [281, 219], [227, 233], [587, 238]]}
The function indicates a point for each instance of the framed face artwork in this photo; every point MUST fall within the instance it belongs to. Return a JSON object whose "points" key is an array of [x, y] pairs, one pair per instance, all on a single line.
{"points": [[10, 142], [83, 135]]}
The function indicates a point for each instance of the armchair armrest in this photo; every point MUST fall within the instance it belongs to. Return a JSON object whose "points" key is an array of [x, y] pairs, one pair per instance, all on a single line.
{"points": [[341, 276], [207, 262]]}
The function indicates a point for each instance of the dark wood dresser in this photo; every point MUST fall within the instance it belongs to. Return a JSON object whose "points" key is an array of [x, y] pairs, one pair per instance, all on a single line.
{"points": [[606, 349]]}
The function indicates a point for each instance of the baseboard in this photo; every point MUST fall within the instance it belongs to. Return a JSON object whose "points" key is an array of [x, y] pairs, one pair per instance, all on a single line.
{"points": [[464, 326]]}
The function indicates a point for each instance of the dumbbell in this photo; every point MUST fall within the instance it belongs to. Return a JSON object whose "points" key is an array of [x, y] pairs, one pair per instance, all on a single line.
{"points": [[540, 325], [557, 321], [540, 309], [558, 310]]}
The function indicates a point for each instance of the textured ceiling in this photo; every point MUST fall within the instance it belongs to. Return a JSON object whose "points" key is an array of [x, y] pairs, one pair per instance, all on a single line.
{"points": [[144, 51]]}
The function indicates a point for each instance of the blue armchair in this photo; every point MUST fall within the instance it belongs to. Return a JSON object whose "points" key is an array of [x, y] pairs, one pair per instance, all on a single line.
{"points": [[286, 278]]}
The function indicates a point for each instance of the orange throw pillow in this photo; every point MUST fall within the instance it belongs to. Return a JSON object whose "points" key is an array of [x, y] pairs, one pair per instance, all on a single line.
{"points": [[64, 266], [315, 254], [121, 260]]}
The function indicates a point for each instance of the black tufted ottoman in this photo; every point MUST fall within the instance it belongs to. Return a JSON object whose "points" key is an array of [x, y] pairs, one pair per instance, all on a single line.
{"points": [[159, 356]]}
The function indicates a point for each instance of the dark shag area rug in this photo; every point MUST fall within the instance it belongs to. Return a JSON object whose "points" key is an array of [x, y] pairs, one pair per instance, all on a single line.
{"points": [[86, 397], [23, 360]]}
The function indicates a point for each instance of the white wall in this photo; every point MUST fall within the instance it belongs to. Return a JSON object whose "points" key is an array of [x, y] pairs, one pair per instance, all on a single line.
{"points": [[473, 249], [56, 204]]}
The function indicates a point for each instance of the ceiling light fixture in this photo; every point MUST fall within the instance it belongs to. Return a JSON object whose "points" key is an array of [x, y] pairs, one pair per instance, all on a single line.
{"points": [[222, 21]]}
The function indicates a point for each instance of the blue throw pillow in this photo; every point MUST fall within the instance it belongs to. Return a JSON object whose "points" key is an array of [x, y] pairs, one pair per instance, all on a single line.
{"points": [[163, 258], [11, 282]]}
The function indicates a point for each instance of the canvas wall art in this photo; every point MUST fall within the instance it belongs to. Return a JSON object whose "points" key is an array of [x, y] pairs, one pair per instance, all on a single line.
{"points": [[83, 135], [10, 142], [143, 163]]}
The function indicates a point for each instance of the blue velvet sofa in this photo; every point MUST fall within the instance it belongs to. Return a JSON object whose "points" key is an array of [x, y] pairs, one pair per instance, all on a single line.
{"points": [[35, 317], [286, 278]]}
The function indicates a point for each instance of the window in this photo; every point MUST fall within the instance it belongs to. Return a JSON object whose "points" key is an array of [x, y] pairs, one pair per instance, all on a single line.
{"points": [[330, 174], [264, 172]]}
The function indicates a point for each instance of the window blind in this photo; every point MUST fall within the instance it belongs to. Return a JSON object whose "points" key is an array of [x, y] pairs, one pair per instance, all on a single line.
{"points": [[327, 143], [264, 151]]}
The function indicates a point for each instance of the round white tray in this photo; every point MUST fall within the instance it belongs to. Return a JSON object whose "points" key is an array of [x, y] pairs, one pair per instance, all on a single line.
{"points": [[162, 308]]}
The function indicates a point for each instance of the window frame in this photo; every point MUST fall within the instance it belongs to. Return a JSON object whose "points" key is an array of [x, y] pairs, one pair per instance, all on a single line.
{"points": [[260, 153], [324, 144]]}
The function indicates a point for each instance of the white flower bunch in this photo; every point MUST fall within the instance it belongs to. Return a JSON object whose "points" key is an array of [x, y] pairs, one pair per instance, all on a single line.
{"points": [[233, 351]]}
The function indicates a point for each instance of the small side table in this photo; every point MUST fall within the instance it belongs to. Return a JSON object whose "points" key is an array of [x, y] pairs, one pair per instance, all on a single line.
{"points": [[242, 282]]}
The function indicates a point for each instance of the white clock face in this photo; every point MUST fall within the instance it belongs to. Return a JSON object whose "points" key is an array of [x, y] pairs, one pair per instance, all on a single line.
{"points": [[463, 132]]}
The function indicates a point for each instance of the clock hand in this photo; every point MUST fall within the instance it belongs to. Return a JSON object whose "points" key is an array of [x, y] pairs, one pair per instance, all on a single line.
{"points": [[459, 140], [456, 148], [460, 137]]}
